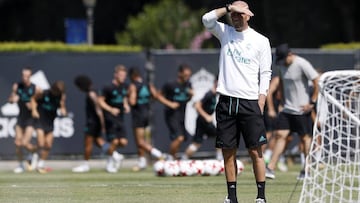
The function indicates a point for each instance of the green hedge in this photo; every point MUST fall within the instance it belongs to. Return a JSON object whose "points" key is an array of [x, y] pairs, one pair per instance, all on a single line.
{"points": [[62, 47], [339, 46], [84, 48]]}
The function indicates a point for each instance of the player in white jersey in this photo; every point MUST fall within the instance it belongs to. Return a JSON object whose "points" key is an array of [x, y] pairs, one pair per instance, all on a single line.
{"points": [[295, 74], [244, 75]]}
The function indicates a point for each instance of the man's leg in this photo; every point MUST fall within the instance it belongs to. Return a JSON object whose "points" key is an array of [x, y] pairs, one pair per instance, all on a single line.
{"points": [[49, 140], [27, 139], [41, 142], [19, 143], [142, 147], [190, 150], [306, 140], [306, 143], [19, 149], [259, 170], [88, 146], [175, 145], [88, 141], [279, 147], [230, 173], [269, 147]]}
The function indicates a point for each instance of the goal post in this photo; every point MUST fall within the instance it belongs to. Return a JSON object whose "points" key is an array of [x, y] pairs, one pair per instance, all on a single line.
{"points": [[333, 163]]}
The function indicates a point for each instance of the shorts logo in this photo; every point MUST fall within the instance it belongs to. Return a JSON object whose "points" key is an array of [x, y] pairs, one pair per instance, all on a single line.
{"points": [[219, 143], [262, 138]]}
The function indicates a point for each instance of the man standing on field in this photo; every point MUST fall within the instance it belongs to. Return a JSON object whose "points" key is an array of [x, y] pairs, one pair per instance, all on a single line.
{"points": [[244, 76], [295, 74]]}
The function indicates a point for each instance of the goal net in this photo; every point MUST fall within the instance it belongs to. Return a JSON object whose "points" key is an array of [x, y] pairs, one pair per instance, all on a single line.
{"points": [[333, 164]]}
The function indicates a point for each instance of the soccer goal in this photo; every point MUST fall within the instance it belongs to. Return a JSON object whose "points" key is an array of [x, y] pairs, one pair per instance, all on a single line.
{"points": [[333, 164]]}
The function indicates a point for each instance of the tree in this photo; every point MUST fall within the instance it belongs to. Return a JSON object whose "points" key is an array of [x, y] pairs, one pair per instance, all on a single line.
{"points": [[162, 25]]}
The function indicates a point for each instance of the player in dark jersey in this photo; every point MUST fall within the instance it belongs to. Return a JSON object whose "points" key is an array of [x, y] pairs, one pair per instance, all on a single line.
{"points": [[113, 100], [174, 96], [204, 123], [21, 94], [140, 95], [44, 108], [95, 124]]}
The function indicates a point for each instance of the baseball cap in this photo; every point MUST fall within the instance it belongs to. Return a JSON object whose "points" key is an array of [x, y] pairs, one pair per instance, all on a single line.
{"points": [[281, 53], [244, 7]]}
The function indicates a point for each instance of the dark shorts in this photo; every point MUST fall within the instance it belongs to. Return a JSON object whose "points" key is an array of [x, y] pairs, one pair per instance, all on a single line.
{"points": [[176, 124], [114, 127], [45, 124], [237, 116], [93, 129], [140, 119], [24, 122], [203, 128], [270, 123], [300, 124]]}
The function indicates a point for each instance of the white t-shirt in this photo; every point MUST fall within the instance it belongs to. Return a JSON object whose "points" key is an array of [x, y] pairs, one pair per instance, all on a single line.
{"points": [[245, 60]]}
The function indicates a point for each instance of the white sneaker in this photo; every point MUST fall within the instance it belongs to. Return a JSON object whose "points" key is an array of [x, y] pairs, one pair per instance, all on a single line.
{"points": [[110, 165], [118, 158], [19, 169], [282, 166], [81, 169], [168, 157], [227, 200], [111, 169], [259, 200], [269, 173], [34, 160]]}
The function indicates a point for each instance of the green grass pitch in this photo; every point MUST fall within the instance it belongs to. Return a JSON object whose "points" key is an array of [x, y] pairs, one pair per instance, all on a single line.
{"points": [[63, 186]]}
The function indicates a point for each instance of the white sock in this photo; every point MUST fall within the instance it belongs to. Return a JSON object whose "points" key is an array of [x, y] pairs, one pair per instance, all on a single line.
{"points": [[155, 152], [142, 162], [302, 157], [267, 154], [109, 162], [41, 163], [219, 155], [193, 148], [116, 155], [184, 157]]}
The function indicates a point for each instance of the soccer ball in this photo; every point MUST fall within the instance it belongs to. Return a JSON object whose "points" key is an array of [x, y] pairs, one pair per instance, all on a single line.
{"points": [[159, 168], [240, 166], [186, 168], [171, 168], [212, 167], [198, 167]]}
